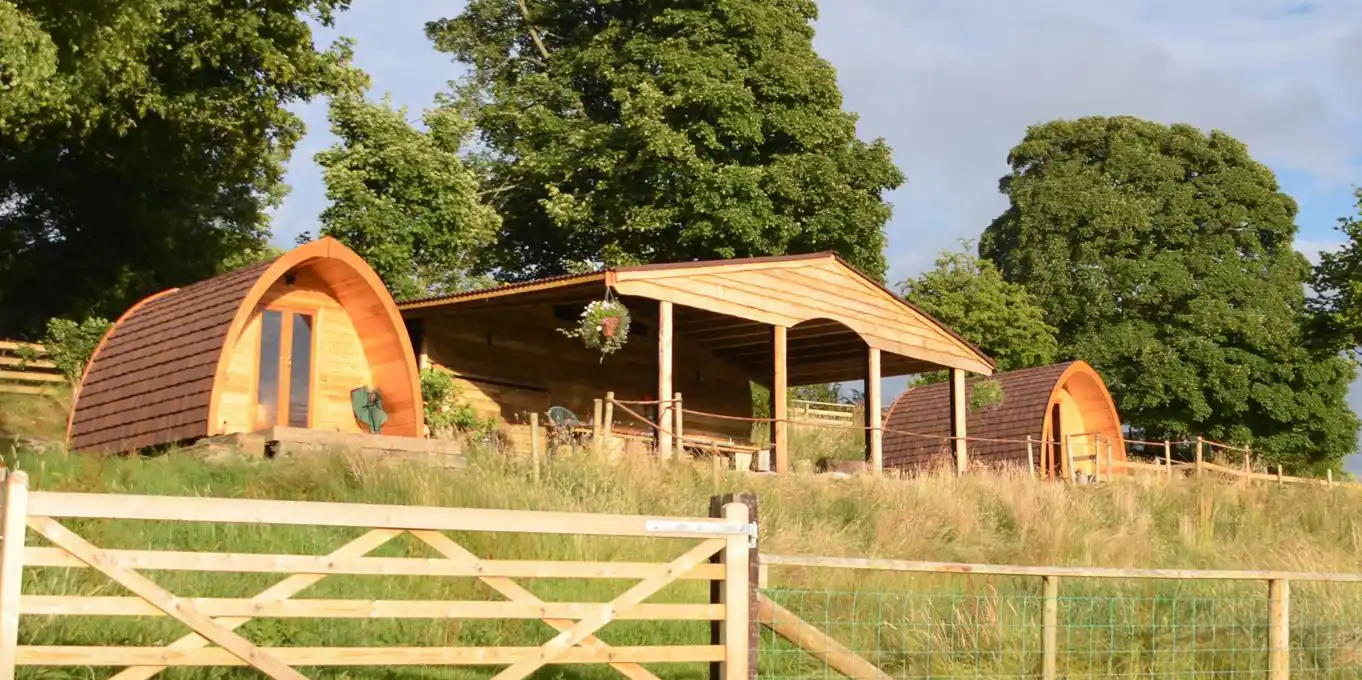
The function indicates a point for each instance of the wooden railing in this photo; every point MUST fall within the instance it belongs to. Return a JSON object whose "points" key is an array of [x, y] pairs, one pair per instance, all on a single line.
{"points": [[24, 370], [859, 664], [213, 621], [801, 410]]}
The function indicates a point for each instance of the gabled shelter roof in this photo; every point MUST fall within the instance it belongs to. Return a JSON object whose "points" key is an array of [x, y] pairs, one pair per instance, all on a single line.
{"points": [[832, 309]]}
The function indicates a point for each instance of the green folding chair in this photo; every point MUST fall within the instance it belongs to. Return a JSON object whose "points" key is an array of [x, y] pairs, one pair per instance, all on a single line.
{"points": [[368, 406]]}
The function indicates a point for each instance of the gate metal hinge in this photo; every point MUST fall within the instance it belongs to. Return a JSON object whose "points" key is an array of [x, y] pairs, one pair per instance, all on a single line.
{"points": [[707, 528]]}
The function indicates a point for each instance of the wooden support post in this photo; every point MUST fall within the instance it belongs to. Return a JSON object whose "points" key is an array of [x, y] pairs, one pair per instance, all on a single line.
{"points": [[608, 422], [1279, 629], [780, 385], [1030, 457], [534, 445], [1279, 475], [678, 431], [597, 424], [959, 415], [1049, 630], [716, 468], [874, 432], [1200, 456], [1248, 464], [13, 526], [1329, 477], [1168, 456], [664, 378], [738, 633]]}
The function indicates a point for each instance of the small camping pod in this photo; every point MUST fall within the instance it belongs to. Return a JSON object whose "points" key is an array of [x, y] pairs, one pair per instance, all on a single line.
{"points": [[282, 343], [1064, 408]]}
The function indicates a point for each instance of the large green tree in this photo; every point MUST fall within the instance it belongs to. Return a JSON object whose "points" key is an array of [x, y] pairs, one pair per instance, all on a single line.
{"points": [[1164, 256], [403, 198], [142, 141], [970, 295], [1338, 283], [653, 130]]}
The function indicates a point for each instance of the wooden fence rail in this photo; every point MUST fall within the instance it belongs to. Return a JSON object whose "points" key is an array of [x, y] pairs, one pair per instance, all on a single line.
{"points": [[1276, 604], [813, 412], [24, 370], [719, 554]]}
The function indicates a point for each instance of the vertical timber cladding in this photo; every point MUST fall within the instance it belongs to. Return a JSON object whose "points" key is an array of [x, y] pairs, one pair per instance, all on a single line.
{"points": [[512, 362]]}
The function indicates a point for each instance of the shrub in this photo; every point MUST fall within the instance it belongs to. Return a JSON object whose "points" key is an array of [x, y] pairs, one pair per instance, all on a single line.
{"points": [[445, 411]]}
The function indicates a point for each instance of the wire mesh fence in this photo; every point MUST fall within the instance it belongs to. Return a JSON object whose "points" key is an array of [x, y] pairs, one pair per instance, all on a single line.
{"points": [[1102, 629]]}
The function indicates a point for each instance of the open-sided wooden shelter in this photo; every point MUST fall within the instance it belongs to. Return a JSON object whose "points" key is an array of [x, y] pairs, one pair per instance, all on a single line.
{"points": [[1064, 408], [280, 343], [704, 329]]}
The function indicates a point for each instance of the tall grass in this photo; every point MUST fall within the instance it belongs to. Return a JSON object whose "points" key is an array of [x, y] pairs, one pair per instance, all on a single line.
{"points": [[942, 626]]}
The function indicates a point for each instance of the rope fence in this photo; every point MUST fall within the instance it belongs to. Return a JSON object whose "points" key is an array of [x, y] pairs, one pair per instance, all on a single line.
{"points": [[1088, 456]]}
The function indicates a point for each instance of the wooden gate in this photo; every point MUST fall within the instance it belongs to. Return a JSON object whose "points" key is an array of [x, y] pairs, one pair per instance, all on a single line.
{"points": [[211, 622]]}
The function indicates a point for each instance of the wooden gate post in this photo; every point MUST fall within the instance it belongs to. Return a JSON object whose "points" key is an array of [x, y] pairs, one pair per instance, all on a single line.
{"points": [[1049, 629], [13, 526], [719, 591], [1279, 629]]}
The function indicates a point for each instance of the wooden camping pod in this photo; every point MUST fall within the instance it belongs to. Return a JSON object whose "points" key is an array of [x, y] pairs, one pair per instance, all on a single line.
{"points": [[1056, 406], [282, 342]]}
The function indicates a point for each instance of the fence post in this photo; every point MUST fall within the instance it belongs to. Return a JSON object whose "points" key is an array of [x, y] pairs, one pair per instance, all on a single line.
{"points": [[1049, 630], [1199, 455], [1279, 475], [1030, 457], [13, 525], [677, 438], [534, 445], [738, 633], [1168, 456], [1279, 629], [1248, 462], [597, 424], [1111, 462], [1329, 476], [608, 422], [1069, 472]]}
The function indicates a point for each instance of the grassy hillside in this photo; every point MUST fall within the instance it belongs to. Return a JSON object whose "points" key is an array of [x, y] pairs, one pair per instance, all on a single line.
{"points": [[915, 626]]}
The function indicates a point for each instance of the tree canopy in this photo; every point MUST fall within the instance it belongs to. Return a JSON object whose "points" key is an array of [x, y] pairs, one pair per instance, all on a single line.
{"points": [[970, 295], [1338, 284], [142, 141], [655, 131], [402, 198], [1163, 256]]}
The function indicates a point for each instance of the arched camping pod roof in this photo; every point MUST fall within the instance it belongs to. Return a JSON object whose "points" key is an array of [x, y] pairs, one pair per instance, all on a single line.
{"points": [[1029, 395], [155, 376]]}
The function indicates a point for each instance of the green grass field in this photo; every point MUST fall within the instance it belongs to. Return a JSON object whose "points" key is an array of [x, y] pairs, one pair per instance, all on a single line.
{"points": [[913, 626]]}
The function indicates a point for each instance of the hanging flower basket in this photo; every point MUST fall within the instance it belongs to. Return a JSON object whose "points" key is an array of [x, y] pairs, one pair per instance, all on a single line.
{"points": [[604, 325]]}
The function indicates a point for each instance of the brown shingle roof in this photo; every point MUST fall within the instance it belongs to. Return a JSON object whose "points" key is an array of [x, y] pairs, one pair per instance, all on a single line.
{"points": [[151, 378], [926, 410]]}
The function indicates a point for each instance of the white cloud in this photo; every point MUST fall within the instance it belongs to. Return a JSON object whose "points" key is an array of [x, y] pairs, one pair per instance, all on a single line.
{"points": [[953, 86]]}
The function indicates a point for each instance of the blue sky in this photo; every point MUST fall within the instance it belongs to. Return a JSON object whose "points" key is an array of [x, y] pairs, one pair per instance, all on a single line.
{"points": [[953, 85]]}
